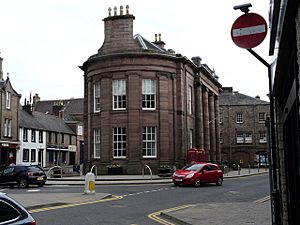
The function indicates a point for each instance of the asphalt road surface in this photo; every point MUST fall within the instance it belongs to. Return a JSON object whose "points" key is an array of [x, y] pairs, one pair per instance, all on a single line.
{"points": [[138, 201]]}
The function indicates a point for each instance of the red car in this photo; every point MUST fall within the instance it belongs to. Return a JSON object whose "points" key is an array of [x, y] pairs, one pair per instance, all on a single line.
{"points": [[198, 173]]}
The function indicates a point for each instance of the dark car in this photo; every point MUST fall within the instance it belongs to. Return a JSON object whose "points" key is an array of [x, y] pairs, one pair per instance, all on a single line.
{"points": [[13, 213], [22, 175], [198, 173]]}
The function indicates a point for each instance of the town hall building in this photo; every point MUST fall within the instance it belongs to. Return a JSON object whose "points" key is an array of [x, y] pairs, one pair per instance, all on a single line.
{"points": [[145, 105]]}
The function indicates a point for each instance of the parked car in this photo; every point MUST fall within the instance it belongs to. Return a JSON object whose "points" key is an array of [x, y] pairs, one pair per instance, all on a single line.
{"points": [[13, 213], [198, 173], [22, 175]]}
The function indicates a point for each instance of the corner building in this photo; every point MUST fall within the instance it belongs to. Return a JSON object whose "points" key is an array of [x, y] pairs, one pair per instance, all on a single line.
{"points": [[145, 105]]}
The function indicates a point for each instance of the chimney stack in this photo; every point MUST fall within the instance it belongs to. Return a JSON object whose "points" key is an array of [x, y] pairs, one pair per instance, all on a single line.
{"points": [[58, 109], [159, 42], [227, 89], [118, 32], [27, 107], [197, 60]]}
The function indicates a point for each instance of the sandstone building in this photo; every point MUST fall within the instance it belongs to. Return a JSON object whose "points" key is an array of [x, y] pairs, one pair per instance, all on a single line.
{"points": [[243, 133], [9, 121], [145, 105]]}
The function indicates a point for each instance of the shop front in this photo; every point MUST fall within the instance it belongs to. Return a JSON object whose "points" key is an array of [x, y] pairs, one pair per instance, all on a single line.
{"points": [[8, 153]]}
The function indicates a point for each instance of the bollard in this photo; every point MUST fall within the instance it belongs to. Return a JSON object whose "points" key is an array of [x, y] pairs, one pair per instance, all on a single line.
{"points": [[239, 170], [258, 167], [249, 168], [89, 186]]}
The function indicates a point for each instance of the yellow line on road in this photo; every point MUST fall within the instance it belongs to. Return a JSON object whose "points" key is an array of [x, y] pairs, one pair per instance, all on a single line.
{"points": [[155, 216], [113, 198]]}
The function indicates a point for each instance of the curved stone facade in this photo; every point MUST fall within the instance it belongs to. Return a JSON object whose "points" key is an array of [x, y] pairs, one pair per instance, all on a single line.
{"points": [[143, 104]]}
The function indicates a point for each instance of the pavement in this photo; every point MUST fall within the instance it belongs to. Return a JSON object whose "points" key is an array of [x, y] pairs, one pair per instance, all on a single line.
{"points": [[244, 213]]}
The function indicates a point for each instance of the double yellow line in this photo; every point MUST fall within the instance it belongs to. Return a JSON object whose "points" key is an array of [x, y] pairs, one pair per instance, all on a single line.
{"points": [[155, 216], [113, 198]]}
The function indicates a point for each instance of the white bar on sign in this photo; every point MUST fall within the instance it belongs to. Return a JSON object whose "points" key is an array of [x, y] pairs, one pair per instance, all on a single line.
{"points": [[249, 30]]}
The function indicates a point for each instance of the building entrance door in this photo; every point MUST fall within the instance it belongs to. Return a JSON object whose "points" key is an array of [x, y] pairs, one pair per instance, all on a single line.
{"points": [[41, 158]]}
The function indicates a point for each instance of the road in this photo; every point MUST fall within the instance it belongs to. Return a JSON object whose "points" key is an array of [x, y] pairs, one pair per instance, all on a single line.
{"points": [[138, 201]]}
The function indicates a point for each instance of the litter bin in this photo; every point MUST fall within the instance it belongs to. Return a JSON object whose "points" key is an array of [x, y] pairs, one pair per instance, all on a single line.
{"points": [[89, 187]]}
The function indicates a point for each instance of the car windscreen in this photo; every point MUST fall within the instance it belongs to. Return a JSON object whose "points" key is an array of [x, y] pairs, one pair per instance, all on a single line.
{"points": [[193, 167], [34, 169]]}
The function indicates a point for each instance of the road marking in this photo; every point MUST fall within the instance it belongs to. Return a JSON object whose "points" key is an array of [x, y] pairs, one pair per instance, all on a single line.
{"points": [[34, 190], [264, 199], [155, 216], [113, 198]]}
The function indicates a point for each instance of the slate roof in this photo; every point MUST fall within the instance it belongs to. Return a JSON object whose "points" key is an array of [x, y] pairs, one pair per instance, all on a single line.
{"points": [[73, 108], [235, 98], [42, 121], [148, 45], [2, 83]]}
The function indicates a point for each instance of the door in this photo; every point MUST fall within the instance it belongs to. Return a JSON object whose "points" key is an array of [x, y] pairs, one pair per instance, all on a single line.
{"points": [[41, 157]]}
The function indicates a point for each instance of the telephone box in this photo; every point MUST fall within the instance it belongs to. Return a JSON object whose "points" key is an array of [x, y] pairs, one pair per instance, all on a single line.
{"points": [[195, 155]]}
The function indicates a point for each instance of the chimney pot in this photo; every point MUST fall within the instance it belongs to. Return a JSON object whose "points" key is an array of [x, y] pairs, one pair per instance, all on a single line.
{"points": [[121, 10], [115, 11], [197, 60]]}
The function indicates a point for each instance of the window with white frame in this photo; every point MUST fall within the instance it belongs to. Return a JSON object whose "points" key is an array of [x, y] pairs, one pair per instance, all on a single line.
{"points": [[262, 137], [239, 117], [8, 100], [248, 138], [149, 142], [33, 155], [148, 94], [25, 134], [119, 142], [40, 136], [97, 142], [189, 100], [7, 128], [239, 138], [97, 97], [119, 94], [25, 155], [33, 133], [261, 117]]}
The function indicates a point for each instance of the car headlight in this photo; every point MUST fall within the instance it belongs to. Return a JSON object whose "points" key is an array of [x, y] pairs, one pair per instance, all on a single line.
{"points": [[189, 175]]}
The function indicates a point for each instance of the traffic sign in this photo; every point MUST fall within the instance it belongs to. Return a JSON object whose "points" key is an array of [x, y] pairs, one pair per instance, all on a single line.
{"points": [[249, 30]]}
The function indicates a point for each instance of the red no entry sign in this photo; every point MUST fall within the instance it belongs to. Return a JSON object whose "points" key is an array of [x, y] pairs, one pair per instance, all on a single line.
{"points": [[249, 30]]}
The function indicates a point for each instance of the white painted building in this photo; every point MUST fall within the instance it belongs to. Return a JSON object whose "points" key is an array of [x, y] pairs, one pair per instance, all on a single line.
{"points": [[33, 146], [45, 140]]}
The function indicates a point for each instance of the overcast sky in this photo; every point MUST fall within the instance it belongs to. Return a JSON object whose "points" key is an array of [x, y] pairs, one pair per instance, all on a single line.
{"points": [[44, 41]]}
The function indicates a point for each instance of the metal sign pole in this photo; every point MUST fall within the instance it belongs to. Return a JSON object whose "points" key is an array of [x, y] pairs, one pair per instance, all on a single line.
{"points": [[272, 146]]}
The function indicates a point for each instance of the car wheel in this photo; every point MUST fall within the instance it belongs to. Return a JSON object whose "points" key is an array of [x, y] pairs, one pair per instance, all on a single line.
{"points": [[197, 183], [41, 184], [176, 184], [219, 181], [23, 183]]}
